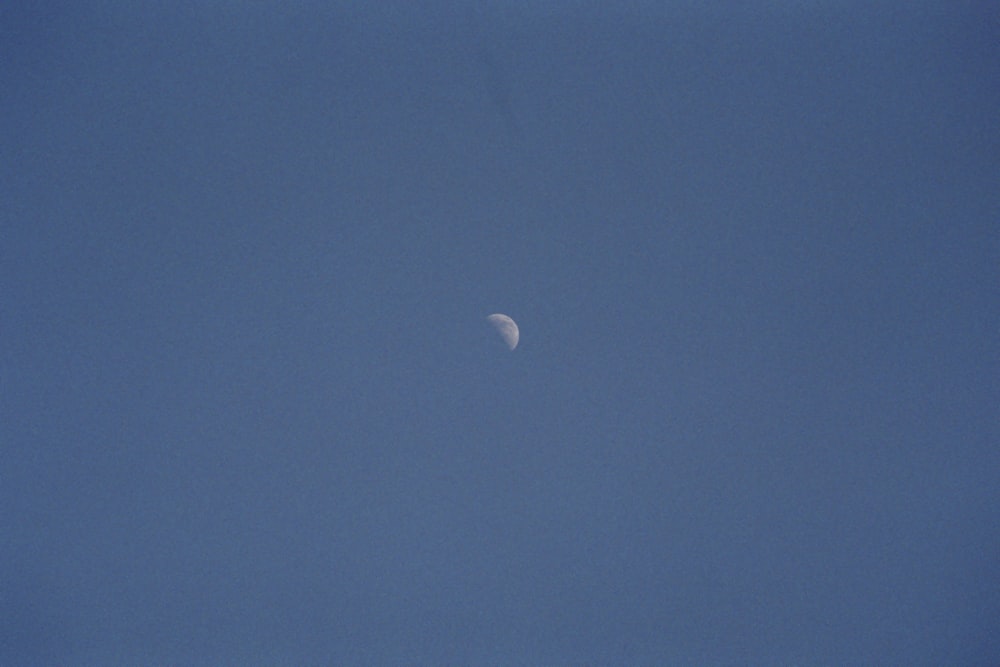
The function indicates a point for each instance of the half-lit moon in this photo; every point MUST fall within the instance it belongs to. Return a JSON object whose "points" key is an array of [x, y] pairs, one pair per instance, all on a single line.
{"points": [[506, 327]]}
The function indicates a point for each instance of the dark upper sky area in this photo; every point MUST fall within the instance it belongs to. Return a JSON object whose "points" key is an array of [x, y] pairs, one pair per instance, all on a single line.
{"points": [[251, 411]]}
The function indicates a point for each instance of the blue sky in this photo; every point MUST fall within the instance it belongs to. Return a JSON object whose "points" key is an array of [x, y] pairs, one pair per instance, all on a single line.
{"points": [[251, 411]]}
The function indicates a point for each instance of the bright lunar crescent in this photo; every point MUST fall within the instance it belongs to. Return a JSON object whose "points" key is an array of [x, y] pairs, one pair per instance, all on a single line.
{"points": [[506, 327]]}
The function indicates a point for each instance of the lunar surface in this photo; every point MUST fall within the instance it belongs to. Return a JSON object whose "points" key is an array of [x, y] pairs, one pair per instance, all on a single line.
{"points": [[506, 327]]}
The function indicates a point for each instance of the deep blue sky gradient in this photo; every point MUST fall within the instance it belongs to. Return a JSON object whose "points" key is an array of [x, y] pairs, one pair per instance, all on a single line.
{"points": [[251, 411]]}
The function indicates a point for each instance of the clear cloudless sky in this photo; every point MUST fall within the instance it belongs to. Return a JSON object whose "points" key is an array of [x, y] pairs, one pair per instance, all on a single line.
{"points": [[251, 411]]}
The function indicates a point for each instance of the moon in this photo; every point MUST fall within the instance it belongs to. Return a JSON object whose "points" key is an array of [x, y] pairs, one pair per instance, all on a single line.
{"points": [[506, 327]]}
